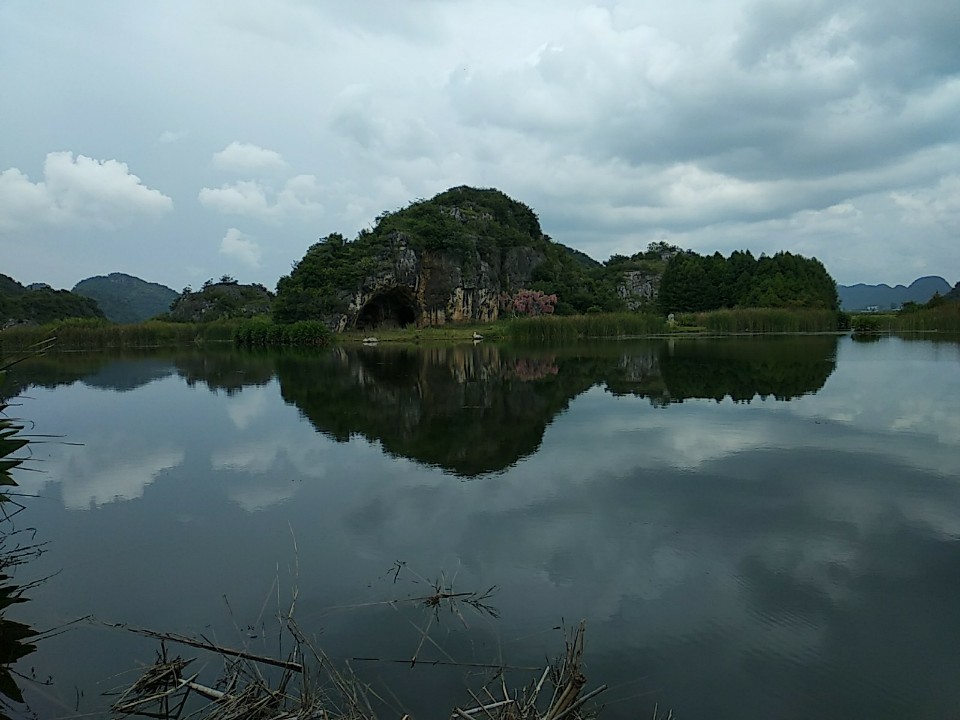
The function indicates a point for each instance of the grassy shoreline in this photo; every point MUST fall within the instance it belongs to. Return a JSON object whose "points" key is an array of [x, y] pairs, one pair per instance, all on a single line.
{"points": [[85, 335]]}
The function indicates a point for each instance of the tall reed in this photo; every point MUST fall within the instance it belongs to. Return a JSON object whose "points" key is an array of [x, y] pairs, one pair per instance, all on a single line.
{"points": [[571, 327], [945, 319], [100, 335], [261, 332], [767, 320]]}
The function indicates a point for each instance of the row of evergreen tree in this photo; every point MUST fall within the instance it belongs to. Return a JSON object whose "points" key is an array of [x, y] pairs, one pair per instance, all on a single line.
{"points": [[693, 282]]}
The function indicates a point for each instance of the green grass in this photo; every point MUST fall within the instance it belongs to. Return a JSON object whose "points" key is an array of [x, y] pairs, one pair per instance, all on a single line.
{"points": [[261, 332], [763, 320], [945, 319], [550, 328], [101, 335]]}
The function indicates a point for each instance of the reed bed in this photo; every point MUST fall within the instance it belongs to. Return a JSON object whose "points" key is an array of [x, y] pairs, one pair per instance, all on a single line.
{"points": [[552, 328], [764, 320], [945, 319], [101, 335], [261, 332]]}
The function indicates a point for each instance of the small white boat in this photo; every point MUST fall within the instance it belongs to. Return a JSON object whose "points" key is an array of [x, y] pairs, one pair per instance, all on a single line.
{"points": [[370, 341]]}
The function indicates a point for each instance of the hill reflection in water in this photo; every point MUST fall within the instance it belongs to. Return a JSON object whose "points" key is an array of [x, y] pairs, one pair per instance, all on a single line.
{"points": [[469, 409], [480, 409]]}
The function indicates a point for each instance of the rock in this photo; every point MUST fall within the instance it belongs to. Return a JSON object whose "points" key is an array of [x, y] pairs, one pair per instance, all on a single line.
{"points": [[431, 288], [639, 288]]}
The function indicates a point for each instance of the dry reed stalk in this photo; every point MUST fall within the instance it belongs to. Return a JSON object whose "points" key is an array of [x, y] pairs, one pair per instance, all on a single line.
{"points": [[324, 691]]}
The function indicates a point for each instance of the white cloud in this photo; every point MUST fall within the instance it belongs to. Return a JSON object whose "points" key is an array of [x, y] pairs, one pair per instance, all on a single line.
{"points": [[242, 157], [168, 137], [241, 247], [76, 190], [938, 205], [619, 123], [299, 197]]}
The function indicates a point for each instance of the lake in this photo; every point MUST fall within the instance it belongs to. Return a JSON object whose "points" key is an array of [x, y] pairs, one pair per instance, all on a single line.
{"points": [[751, 527]]}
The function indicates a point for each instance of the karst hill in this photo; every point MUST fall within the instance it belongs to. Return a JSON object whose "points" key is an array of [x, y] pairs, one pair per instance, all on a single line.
{"points": [[456, 257]]}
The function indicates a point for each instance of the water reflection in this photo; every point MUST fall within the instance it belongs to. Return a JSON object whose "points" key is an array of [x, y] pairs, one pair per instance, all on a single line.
{"points": [[474, 410], [753, 557], [470, 410]]}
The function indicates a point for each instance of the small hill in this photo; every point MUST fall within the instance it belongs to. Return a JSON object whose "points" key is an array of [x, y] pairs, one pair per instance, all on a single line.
{"points": [[884, 297], [41, 304], [457, 257], [224, 300], [125, 298]]}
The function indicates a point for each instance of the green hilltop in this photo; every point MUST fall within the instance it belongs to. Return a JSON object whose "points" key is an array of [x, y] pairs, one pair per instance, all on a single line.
{"points": [[125, 298]]}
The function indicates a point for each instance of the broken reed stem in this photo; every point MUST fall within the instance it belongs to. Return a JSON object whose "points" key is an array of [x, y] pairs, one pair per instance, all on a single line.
{"points": [[212, 647], [337, 693]]}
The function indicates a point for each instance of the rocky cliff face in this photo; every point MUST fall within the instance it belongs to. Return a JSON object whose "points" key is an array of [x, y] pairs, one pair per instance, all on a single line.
{"points": [[639, 288], [431, 288]]}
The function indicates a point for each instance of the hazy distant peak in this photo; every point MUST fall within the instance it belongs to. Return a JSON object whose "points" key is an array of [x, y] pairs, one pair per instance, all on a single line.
{"points": [[884, 297]]}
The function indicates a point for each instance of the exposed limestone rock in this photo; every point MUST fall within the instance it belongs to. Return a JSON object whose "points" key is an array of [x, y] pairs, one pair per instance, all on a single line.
{"points": [[435, 288], [639, 288]]}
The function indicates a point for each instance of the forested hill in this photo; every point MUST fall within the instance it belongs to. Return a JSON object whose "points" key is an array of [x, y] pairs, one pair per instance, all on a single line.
{"points": [[19, 304], [223, 300], [125, 298], [446, 259]]}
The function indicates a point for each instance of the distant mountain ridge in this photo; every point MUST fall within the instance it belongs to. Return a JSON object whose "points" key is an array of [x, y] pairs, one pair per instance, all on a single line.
{"points": [[126, 298], [861, 296]]}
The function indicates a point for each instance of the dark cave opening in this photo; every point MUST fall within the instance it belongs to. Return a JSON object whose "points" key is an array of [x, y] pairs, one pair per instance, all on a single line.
{"points": [[391, 309]]}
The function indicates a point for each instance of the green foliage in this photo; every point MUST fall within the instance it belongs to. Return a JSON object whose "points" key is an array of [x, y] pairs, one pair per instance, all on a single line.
{"points": [[865, 323], [86, 334], [42, 305], [943, 318], [261, 332], [322, 281], [126, 299], [224, 300], [768, 320], [14, 636], [693, 283]]}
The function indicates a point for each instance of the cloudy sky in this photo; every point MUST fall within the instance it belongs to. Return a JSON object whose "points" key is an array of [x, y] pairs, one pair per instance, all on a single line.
{"points": [[178, 140]]}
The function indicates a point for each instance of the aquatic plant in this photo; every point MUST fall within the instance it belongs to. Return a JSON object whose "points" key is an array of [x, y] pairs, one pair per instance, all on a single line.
{"points": [[767, 320], [305, 683], [944, 318], [17, 546], [101, 335], [261, 332], [552, 328]]}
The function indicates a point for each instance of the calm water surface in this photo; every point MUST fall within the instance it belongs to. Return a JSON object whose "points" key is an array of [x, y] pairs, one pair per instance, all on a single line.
{"points": [[752, 528]]}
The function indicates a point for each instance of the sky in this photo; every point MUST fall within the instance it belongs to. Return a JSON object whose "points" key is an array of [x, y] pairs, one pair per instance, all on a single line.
{"points": [[180, 141]]}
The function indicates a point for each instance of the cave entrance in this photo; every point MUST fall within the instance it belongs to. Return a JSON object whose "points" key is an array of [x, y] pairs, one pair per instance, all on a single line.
{"points": [[394, 308]]}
